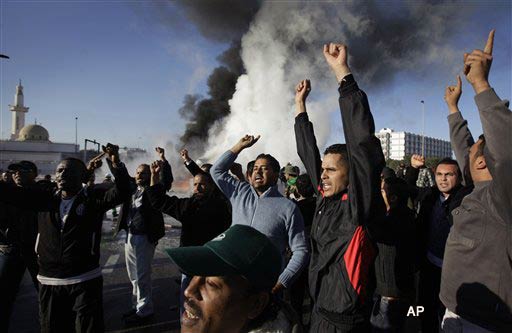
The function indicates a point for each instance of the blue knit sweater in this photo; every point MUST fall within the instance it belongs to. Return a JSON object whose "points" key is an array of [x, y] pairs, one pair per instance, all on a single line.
{"points": [[271, 214]]}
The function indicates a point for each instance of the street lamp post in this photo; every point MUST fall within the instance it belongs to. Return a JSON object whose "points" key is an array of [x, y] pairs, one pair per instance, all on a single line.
{"points": [[76, 134], [423, 129]]}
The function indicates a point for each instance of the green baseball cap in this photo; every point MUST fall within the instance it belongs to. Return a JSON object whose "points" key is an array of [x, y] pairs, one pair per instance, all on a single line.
{"points": [[240, 250]]}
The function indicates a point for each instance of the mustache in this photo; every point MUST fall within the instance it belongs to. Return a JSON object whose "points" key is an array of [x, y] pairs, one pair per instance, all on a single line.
{"points": [[195, 308]]}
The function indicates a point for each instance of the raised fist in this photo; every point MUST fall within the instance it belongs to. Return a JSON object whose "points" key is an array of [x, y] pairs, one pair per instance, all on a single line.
{"points": [[302, 91], [184, 155], [337, 58], [156, 166], [417, 161], [112, 152], [161, 153]]}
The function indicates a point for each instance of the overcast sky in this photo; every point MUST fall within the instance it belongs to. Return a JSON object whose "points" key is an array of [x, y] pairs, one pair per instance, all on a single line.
{"points": [[124, 74]]}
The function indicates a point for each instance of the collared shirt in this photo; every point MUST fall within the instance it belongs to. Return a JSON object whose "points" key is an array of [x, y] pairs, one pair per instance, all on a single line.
{"points": [[135, 219]]}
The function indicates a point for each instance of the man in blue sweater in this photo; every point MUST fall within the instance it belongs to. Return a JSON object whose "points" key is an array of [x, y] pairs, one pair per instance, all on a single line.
{"points": [[261, 206]]}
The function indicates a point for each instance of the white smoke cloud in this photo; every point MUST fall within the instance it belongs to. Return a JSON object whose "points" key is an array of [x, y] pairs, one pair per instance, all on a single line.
{"points": [[284, 45]]}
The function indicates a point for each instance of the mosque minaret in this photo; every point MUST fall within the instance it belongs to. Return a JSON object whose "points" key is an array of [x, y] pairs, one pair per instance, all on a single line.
{"points": [[18, 115]]}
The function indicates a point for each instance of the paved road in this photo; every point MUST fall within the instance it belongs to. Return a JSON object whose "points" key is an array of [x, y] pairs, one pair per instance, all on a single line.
{"points": [[117, 288]]}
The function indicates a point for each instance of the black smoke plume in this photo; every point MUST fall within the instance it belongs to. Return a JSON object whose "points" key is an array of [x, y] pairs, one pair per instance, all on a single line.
{"points": [[223, 21]]}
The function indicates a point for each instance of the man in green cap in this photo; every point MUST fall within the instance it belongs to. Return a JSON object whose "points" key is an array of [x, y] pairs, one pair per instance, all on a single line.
{"points": [[233, 275]]}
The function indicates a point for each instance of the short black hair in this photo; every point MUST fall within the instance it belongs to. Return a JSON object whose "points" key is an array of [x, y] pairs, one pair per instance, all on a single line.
{"points": [[274, 164], [450, 161], [77, 161], [397, 187], [305, 186], [337, 148], [387, 173], [81, 165], [207, 175], [206, 167], [481, 147], [250, 166]]}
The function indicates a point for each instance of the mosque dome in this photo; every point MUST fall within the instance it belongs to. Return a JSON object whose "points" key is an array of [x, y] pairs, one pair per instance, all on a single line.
{"points": [[33, 132]]}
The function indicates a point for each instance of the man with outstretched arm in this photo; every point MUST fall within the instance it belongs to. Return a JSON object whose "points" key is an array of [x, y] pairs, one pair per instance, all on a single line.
{"points": [[348, 183], [144, 226], [203, 216], [261, 206], [68, 243], [477, 267]]}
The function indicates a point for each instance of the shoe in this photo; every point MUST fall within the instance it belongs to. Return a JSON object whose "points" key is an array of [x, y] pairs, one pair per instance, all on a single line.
{"points": [[129, 313], [136, 319]]}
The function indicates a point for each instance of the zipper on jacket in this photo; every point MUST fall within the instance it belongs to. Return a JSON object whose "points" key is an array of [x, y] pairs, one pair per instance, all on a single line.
{"points": [[37, 242], [61, 250], [93, 243]]}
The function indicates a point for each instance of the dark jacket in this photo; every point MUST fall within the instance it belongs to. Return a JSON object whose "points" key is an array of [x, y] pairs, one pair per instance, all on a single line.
{"points": [[396, 263], [307, 208], [477, 270], [75, 248], [18, 231], [18, 226], [341, 252], [194, 170], [424, 200], [202, 219], [153, 220]]}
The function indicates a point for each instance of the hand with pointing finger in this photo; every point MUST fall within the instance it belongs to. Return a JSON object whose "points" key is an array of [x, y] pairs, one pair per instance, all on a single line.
{"points": [[477, 65], [95, 162], [452, 96]]}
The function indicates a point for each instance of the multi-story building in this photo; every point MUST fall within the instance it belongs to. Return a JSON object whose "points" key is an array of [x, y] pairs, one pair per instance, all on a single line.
{"points": [[395, 145]]}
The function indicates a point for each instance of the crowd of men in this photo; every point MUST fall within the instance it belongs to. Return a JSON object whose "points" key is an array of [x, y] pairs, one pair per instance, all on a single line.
{"points": [[362, 242]]}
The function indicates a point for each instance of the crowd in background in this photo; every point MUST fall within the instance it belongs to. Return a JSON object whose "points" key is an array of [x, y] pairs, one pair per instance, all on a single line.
{"points": [[349, 245]]}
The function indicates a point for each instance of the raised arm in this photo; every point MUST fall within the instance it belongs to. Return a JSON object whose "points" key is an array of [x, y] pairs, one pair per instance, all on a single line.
{"points": [[460, 136], [305, 135], [364, 149], [220, 169], [496, 119], [121, 190], [166, 177], [191, 166], [172, 206]]}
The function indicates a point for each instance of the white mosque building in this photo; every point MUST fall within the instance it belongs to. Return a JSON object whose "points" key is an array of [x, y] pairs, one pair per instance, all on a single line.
{"points": [[31, 142]]}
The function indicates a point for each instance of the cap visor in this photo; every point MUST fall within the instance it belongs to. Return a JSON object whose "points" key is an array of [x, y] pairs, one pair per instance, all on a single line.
{"points": [[200, 261]]}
